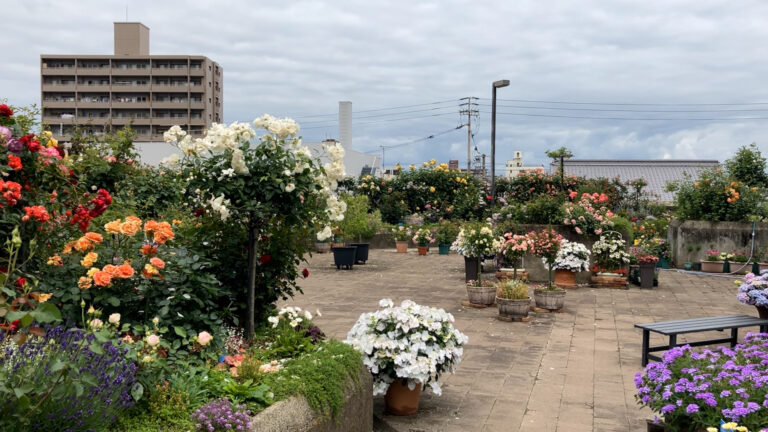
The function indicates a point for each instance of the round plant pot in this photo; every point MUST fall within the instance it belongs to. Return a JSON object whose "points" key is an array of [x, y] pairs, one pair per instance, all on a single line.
{"points": [[322, 247], [513, 308], [762, 311], [471, 268], [344, 256], [565, 278], [662, 263], [647, 271], [444, 249], [481, 295], [402, 246], [422, 249], [362, 252], [712, 266], [400, 400], [551, 300]]}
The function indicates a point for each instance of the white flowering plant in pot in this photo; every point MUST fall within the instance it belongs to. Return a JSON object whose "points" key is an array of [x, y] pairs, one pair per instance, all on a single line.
{"points": [[571, 256], [476, 241], [610, 251], [260, 194], [410, 342]]}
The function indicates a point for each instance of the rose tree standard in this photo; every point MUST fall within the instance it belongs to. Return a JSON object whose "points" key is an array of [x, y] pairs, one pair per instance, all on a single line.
{"points": [[272, 189]]}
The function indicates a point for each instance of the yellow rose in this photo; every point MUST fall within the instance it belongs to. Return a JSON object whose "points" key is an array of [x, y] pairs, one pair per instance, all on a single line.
{"points": [[432, 189]]}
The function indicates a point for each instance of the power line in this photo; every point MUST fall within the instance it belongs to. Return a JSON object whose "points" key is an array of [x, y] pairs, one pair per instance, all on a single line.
{"points": [[387, 147], [631, 118], [377, 109], [627, 110], [629, 104]]}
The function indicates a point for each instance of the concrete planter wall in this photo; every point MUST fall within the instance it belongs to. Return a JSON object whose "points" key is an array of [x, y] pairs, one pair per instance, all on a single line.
{"points": [[296, 415], [689, 240]]}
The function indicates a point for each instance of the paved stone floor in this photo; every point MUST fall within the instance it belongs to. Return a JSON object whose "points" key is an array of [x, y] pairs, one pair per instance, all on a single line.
{"points": [[569, 371]]}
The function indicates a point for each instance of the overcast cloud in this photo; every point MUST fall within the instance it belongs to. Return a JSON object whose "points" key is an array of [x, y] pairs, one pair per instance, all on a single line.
{"points": [[299, 59]]}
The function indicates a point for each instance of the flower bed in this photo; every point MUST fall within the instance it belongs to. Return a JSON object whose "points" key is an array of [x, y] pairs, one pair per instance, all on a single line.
{"points": [[693, 389]]}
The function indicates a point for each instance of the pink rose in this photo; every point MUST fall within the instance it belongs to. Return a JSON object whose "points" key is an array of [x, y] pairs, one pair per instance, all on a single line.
{"points": [[204, 338], [153, 340]]}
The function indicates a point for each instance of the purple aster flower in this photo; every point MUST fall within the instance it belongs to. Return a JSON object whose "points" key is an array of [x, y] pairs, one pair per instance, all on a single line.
{"points": [[692, 408]]}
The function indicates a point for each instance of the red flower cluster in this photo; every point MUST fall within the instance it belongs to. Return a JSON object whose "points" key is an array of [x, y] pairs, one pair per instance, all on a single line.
{"points": [[38, 213], [11, 191], [83, 214], [31, 143], [5, 111], [14, 162], [305, 273], [265, 259]]}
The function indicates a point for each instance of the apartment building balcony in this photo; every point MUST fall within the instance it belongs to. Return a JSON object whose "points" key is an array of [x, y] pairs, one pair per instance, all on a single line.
{"points": [[197, 105], [93, 88], [197, 121], [171, 105], [57, 104], [60, 71], [130, 88], [92, 71], [52, 87], [81, 105], [138, 121], [131, 71], [131, 105], [169, 121], [170, 88], [197, 71], [58, 120], [92, 120], [170, 71]]}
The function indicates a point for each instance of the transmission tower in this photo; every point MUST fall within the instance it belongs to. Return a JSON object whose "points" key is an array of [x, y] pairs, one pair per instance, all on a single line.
{"points": [[469, 108]]}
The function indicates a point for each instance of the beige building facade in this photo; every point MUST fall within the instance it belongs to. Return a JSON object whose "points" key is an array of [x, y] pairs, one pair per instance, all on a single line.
{"points": [[149, 92]]}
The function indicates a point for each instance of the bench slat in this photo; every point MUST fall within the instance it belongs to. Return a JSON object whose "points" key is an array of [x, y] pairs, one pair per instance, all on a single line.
{"points": [[703, 324]]}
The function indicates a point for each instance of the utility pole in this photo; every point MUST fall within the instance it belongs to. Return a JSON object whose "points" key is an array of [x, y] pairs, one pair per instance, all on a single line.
{"points": [[469, 108]]}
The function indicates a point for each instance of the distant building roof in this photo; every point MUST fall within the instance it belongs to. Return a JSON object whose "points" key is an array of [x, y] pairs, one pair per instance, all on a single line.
{"points": [[656, 172]]}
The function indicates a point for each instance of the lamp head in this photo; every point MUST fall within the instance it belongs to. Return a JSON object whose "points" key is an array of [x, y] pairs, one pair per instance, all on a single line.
{"points": [[500, 83]]}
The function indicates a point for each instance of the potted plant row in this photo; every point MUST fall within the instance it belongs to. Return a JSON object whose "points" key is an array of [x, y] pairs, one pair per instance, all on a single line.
{"points": [[445, 234], [474, 242]]}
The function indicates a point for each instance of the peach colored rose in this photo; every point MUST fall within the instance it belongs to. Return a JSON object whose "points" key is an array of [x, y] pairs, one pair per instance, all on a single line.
{"points": [[124, 271], [153, 340], [111, 269], [204, 338], [94, 237], [113, 227], [129, 228], [83, 244], [157, 262], [102, 278]]}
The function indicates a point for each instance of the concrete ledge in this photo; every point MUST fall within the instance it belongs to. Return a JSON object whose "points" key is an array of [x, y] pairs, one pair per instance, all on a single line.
{"points": [[296, 415]]}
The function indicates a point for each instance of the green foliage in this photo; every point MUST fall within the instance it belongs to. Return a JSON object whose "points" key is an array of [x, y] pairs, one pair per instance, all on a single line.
{"points": [[321, 377], [168, 403], [358, 223], [137, 420], [149, 192], [512, 289], [748, 166], [715, 196], [544, 209], [625, 227], [394, 209], [446, 232], [105, 159]]}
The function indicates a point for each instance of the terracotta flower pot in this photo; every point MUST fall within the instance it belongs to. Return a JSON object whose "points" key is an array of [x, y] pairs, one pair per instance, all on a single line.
{"points": [[422, 249], [400, 400], [402, 246], [712, 266], [565, 278]]}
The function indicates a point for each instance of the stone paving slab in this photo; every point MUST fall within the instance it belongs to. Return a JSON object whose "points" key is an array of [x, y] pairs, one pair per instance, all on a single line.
{"points": [[569, 371]]}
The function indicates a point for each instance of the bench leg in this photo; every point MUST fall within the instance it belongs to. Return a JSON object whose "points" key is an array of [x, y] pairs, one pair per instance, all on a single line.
{"points": [[646, 336], [764, 329], [734, 336], [672, 341]]}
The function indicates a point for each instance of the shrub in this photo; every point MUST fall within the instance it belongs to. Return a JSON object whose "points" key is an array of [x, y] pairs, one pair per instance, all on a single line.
{"points": [[394, 209], [446, 232], [358, 223], [716, 196], [512, 289], [66, 379]]}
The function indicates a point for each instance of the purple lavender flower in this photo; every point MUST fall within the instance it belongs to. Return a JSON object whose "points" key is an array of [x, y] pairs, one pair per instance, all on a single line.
{"points": [[692, 408]]}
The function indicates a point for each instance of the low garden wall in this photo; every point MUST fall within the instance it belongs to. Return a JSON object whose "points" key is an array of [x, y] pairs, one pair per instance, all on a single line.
{"points": [[689, 240], [296, 415]]}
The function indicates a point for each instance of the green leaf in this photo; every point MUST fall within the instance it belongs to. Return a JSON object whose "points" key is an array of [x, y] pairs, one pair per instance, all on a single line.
{"points": [[180, 331], [58, 365], [96, 348], [16, 315], [114, 301], [137, 391], [89, 379], [47, 312], [27, 320], [78, 389]]}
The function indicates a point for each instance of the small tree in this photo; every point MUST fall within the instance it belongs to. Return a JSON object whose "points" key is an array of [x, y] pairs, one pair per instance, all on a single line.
{"points": [[748, 166], [560, 154]]}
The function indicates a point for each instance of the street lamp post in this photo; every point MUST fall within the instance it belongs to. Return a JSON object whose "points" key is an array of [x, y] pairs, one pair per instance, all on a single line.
{"points": [[496, 84]]}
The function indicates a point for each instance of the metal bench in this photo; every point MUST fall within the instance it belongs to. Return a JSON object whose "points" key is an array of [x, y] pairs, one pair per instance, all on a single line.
{"points": [[674, 328]]}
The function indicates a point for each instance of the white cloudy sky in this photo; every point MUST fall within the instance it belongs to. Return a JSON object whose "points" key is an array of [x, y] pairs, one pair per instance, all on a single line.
{"points": [[300, 58]]}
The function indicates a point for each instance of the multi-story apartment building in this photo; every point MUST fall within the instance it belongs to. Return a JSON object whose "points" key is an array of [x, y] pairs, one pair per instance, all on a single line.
{"points": [[150, 92]]}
